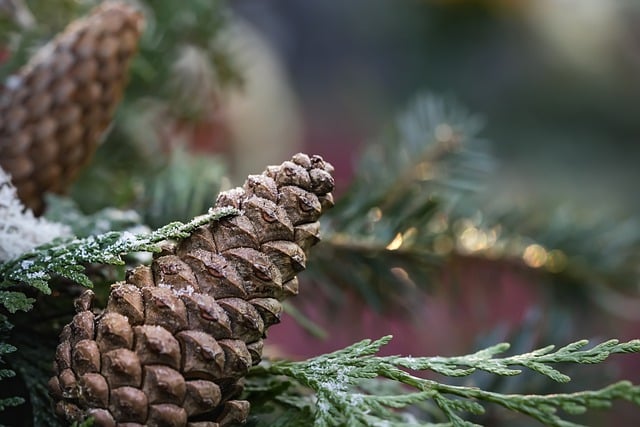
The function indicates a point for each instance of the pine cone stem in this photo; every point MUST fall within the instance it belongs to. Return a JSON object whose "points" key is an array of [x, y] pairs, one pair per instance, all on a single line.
{"points": [[177, 337]]}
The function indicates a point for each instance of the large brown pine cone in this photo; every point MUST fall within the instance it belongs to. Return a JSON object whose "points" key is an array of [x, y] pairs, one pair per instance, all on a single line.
{"points": [[177, 337], [54, 111]]}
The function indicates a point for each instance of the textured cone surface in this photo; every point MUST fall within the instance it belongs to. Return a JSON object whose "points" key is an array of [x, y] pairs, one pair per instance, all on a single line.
{"points": [[54, 111], [177, 337]]}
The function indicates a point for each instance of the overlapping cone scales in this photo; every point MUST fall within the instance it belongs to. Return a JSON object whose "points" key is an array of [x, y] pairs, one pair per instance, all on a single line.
{"points": [[177, 337], [54, 111]]}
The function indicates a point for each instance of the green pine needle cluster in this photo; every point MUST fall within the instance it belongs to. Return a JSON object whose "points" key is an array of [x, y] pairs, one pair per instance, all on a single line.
{"points": [[332, 387]]}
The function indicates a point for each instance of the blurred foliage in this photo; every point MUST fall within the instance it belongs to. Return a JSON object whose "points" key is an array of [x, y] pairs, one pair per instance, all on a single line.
{"points": [[33, 366], [175, 80], [558, 80], [184, 188], [416, 173], [65, 211], [6, 400], [417, 200]]}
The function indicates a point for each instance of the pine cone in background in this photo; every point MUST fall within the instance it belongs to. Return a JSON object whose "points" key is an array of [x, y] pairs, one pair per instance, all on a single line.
{"points": [[54, 111], [177, 337]]}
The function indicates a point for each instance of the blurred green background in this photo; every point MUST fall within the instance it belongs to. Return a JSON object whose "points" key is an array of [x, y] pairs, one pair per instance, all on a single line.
{"points": [[558, 82]]}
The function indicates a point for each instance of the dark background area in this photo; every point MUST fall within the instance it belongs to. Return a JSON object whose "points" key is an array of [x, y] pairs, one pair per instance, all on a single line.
{"points": [[556, 81]]}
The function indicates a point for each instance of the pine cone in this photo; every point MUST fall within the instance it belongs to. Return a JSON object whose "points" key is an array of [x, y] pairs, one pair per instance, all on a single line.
{"points": [[55, 109], [177, 337]]}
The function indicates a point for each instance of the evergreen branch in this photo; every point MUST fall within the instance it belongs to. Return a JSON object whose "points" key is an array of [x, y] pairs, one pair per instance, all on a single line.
{"points": [[428, 161], [6, 349], [15, 301], [33, 365], [337, 378], [432, 151], [543, 408], [10, 402], [65, 258], [182, 188], [410, 209]]}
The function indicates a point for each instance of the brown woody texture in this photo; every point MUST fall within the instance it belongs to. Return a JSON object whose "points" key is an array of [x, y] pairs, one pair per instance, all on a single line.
{"points": [[54, 111], [177, 337]]}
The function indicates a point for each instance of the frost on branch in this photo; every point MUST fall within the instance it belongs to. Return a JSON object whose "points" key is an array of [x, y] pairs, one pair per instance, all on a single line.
{"points": [[342, 390], [20, 230], [66, 258]]}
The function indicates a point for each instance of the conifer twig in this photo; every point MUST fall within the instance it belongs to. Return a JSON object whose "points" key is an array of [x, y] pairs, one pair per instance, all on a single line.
{"points": [[6, 349], [336, 380]]}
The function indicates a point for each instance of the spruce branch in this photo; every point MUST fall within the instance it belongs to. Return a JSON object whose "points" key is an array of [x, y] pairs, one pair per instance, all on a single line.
{"points": [[66, 258], [337, 379], [432, 152], [385, 225], [415, 204], [182, 188]]}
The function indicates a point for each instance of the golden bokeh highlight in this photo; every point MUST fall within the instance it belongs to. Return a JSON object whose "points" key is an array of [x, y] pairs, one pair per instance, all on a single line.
{"points": [[535, 256], [395, 243]]}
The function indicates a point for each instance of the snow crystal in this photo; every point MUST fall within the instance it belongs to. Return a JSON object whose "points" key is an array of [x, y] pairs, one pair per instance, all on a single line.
{"points": [[184, 291], [40, 274], [323, 406], [355, 399], [20, 230], [188, 290], [127, 237], [26, 264], [234, 192]]}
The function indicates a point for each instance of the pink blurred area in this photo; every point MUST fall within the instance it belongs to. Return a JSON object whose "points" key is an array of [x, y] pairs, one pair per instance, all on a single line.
{"points": [[475, 297]]}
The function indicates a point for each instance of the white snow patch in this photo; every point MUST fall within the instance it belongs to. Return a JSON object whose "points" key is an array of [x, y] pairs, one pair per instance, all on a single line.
{"points": [[20, 230]]}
